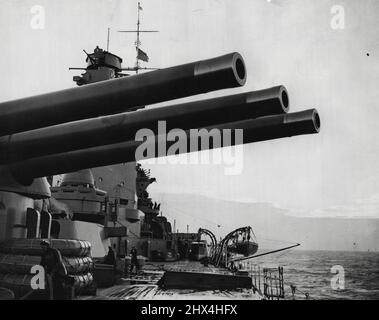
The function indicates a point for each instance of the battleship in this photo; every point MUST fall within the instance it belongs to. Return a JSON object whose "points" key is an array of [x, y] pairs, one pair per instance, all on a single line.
{"points": [[70, 174]]}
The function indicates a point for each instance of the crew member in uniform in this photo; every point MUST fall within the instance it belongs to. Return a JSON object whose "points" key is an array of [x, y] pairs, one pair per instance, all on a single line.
{"points": [[134, 260], [110, 257], [55, 269]]}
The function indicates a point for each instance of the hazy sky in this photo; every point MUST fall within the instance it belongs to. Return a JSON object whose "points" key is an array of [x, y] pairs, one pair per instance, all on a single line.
{"points": [[289, 42]]}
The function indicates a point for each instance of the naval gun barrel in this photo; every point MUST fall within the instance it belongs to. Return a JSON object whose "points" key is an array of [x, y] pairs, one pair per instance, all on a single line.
{"points": [[123, 127], [122, 94], [254, 130]]}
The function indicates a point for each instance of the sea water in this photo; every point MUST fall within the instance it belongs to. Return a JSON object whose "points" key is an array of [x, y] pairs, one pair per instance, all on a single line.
{"points": [[315, 272]]}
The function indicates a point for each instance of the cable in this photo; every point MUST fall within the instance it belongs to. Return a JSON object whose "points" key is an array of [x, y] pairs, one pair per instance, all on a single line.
{"points": [[283, 254], [180, 211]]}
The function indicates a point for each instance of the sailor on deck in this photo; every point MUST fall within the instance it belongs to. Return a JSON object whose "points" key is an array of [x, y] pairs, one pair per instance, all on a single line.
{"points": [[110, 257], [55, 270], [134, 260]]}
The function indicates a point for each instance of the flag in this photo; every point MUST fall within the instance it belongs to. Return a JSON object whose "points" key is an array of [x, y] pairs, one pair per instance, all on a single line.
{"points": [[142, 55], [139, 6]]}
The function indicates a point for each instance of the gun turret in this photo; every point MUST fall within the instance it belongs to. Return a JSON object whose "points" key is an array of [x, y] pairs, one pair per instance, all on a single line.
{"points": [[88, 126], [97, 125]]}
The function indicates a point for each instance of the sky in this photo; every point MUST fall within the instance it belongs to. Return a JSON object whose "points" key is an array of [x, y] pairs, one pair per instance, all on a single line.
{"points": [[289, 42]]}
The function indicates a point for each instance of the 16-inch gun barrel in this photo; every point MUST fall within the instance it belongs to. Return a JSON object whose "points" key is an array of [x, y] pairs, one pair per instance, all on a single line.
{"points": [[254, 130], [122, 94], [123, 127]]}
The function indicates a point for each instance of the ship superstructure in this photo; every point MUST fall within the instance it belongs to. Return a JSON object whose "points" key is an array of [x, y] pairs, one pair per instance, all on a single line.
{"points": [[93, 126]]}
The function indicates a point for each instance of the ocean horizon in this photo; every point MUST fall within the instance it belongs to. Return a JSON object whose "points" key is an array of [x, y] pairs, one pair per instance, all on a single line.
{"points": [[314, 273]]}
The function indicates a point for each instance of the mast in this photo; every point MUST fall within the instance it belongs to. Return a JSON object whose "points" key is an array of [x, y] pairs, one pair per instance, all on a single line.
{"points": [[137, 43], [108, 40]]}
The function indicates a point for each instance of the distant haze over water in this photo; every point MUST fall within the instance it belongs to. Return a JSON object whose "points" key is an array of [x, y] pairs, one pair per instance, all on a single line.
{"points": [[272, 225]]}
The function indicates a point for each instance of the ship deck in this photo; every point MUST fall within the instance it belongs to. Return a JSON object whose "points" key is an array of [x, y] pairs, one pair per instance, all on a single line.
{"points": [[144, 285]]}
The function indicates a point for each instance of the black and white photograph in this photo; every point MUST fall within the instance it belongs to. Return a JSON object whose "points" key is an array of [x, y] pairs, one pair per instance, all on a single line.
{"points": [[184, 156]]}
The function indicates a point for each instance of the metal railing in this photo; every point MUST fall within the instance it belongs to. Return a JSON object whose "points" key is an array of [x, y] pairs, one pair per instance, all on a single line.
{"points": [[269, 282]]}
